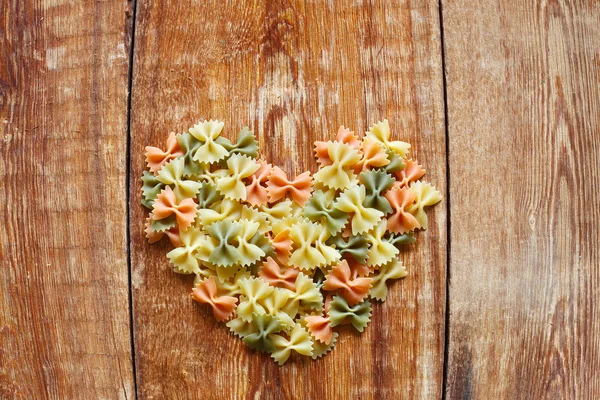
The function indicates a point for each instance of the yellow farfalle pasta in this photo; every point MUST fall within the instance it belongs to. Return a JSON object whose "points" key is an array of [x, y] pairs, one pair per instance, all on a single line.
{"points": [[380, 251], [172, 174], [252, 291], [380, 132], [187, 258], [299, 341], [394, 269], [426, 195], [209, 150], [363, 218], [282, 258], [340, 174], [239, 167]]}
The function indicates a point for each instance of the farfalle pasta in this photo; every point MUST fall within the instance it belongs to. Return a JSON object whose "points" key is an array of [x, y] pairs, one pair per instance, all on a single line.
{"points": [[285, 260]]}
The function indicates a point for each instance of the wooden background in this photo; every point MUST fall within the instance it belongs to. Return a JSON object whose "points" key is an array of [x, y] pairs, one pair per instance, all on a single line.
{"points": [[500, 99]]}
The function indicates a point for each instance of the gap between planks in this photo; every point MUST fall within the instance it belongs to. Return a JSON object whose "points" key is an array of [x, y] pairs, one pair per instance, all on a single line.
{"points": [[131, 13]]}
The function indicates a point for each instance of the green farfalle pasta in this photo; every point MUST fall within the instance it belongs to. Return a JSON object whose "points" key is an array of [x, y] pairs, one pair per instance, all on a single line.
{"points": [[265, 325], [151, 188], [356, 247], [276, 254], [376, 183], [319, 209], [246, 143], [189, 145], [208, 195], [396, 162], [226, 235], [398, 240], [340, 312], [162, 225]]}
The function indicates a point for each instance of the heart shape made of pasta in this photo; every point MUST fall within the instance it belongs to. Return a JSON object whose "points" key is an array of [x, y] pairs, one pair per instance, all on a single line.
{"points": [[285, 260]]}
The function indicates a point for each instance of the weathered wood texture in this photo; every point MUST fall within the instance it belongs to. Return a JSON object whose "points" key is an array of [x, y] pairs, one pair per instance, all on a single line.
{"points": [[523, 81], [294, 71], [64, 320]]}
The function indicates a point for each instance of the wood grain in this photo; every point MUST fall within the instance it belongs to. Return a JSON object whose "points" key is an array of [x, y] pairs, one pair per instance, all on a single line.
{"points": [[64, 321], [523, 81], [294, 71]]}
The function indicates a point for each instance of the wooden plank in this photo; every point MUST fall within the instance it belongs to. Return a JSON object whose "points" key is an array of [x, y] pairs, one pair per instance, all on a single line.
{"points": [[524, 120], [64, 320], [293, 71]]}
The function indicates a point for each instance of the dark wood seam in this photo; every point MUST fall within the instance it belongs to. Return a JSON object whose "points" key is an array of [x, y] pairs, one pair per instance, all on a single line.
{"points": [[448, 209], [131, 13]]}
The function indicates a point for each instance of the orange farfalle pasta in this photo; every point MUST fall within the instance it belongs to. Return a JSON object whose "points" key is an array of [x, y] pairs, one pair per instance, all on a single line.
{"points": [[359, 270], [411, 173], [320, 328], [401, 221], [270, 272], [279, 186], [156, 158], [373, 156], [166, 204], [282, 242], [223, 307], [256, 193], [353, 290]]}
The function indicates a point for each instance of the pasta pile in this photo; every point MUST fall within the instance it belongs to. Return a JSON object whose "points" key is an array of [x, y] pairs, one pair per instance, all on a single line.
{"points": [[285, 260]]}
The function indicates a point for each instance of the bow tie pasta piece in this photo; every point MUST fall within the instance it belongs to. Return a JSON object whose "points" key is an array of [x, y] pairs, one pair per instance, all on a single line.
{"points": [[264, 326], [412, 172], [376, 183], [373, 156], [252, 292], [223, 307], [344, 135], [166, 205], [310, 248], [320, 209], [187, 258], [425, 195], [392, 270], [320, 349], [299, 341], [340, 174], [151, 188], [246, 143], [271, 273], [209, 151], [363, 218], [172, 174], [232, 185], [223, 210], [340, 312], [156, 158], [256, 190], [320, 328], [279, 186], [356, 247], [282, 261], [208, 195], [226, 238], [398, 240], [154, 234], [401, 221], [380, 132], [354, 290], [380, 251]]}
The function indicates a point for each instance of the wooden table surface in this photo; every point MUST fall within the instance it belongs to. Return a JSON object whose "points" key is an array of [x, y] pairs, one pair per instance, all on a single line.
{"points": [[499, 98]]}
